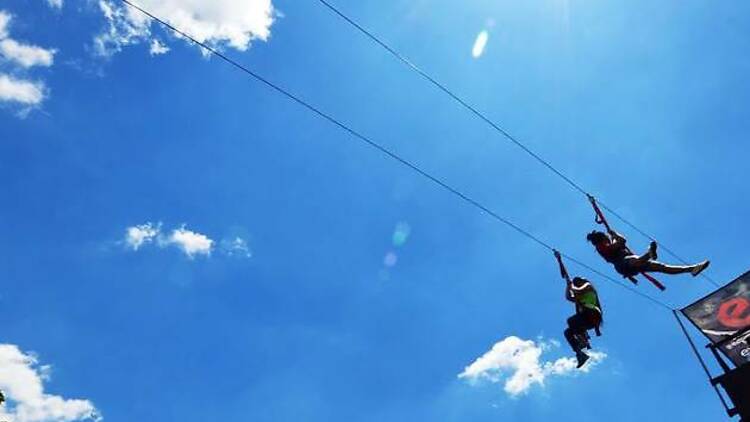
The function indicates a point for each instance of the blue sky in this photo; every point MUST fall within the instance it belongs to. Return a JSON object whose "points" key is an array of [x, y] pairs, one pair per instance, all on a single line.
{"points": [[644, 104]]}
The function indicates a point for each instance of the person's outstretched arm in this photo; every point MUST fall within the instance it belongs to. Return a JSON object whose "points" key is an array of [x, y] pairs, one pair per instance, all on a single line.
{"points": [[563, 270]]}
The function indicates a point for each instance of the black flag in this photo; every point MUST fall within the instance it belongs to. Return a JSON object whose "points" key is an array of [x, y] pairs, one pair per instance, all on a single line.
{"points": [[724, 317]]}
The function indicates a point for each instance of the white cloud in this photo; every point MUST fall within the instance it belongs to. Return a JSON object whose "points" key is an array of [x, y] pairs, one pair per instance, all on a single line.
{"points": [[4, 21], [190, 242], [480, 44], [57, 4], [517, 363], [236, 247], [157, 48], [26, 55], [23, 56], [125, 26], [22, 380], [137, 236], [21, 91], [233, 23]]}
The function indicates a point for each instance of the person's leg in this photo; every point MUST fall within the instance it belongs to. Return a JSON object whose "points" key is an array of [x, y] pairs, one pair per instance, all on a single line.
{"points": [[700, 267], [632, 265], [576, 326], [570, 336], [589, 320], [584, 340], [592, 320], [659, 267], [638, 261], [571, 333]]}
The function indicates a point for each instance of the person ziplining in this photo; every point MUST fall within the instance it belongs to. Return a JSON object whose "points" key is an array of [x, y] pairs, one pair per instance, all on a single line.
{"points": [[588, 314], [613, 247]]}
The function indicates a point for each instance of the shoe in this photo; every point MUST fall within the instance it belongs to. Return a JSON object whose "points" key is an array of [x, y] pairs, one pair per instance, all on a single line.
{"points": [[700, 268], [652, 251], [582, 359]]}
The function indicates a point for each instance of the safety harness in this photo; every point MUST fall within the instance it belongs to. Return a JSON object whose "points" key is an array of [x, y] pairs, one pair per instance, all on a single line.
{"points": [[600, 219], [580, 289]]}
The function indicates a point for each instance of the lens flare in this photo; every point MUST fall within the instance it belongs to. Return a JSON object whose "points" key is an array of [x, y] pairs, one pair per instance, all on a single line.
{"points": [[401, 234], [390, 260], [480, 44]]}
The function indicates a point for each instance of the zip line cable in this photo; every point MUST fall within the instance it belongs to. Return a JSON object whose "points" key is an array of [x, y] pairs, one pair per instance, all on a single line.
{"points": [[474, 203], [400, 57]]}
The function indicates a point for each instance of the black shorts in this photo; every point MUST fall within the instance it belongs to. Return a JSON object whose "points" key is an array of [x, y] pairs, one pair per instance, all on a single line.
{"points": [[586, 319], [628, 266]]}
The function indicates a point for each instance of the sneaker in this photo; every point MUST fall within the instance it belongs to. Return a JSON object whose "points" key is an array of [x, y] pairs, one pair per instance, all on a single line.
{"points": [[700, 267], [582, 359], [652, 251]]}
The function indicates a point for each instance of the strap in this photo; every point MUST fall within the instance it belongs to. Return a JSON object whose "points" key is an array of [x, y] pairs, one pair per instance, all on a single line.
{"points": [[563, 271], [600, 219], [583, 287], [654, 281]]}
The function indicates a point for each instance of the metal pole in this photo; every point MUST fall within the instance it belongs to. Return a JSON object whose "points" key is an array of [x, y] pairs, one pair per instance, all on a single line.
{"points": [[700, 359]]}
